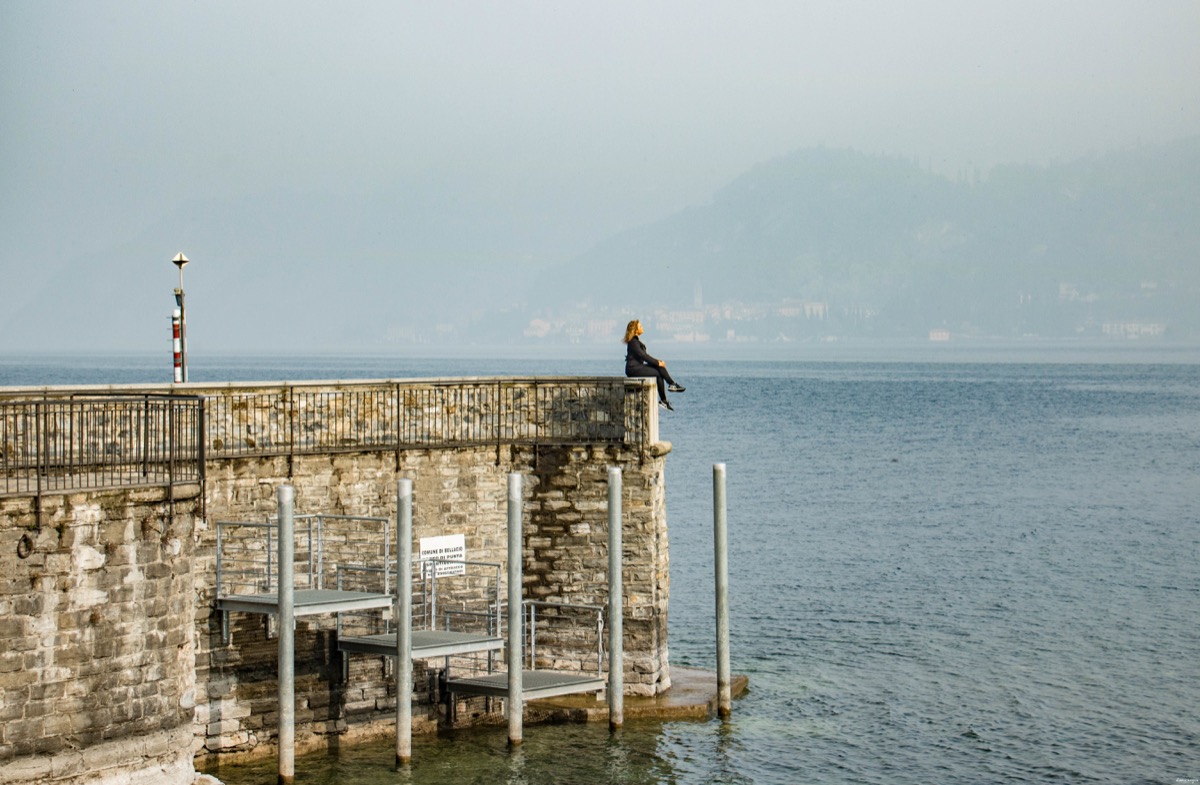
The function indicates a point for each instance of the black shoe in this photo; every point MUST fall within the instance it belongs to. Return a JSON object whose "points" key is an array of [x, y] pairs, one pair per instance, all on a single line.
{"points": [[666, 405], [676, 388]]}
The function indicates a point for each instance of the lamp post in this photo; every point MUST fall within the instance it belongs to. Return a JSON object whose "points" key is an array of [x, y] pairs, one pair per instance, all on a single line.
{"points": [[181, 349]]}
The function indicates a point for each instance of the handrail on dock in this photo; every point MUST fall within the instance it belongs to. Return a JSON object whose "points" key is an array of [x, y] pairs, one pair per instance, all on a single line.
{"points": [[531, 607], [248, 574], [426, 593]]}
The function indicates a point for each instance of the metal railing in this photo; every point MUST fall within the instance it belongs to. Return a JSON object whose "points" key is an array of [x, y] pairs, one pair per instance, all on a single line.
{"points": [[323, 418], [76, 441], [80, 442], [472, 594], [247, 552], [560, 635]]}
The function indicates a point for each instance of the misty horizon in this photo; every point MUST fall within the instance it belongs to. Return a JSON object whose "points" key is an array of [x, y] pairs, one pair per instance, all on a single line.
{"points": [[348, 177]]}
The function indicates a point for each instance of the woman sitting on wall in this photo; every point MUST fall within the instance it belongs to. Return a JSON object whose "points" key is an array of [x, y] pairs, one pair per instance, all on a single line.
{"points": [[638, 362]]}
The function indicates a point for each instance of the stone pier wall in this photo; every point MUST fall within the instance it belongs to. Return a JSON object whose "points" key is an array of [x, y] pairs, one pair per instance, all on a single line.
{"points": [[112, 664], [460, 491], [97, 643]]}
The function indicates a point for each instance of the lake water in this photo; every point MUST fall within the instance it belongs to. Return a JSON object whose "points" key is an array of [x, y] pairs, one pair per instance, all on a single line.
{"points": [[939, 572]]}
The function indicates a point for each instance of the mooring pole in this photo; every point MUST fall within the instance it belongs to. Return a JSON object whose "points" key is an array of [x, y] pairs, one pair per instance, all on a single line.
{"points": [[616, 642], [516, 661], [404, 664], [721, 568], [287, 636]]}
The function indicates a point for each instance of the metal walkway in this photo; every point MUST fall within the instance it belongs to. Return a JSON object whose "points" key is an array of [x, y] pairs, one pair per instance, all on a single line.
{"points": [[546, 682], [426, 644], [277, 570], [248, 566], [535, 684], [471, 587], [308, 602]]}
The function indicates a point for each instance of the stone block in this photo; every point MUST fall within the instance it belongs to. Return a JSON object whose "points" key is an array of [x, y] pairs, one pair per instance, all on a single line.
{"points": [[37, 768], [223, 727], [22, 730], [226, 742], [12, 707]]}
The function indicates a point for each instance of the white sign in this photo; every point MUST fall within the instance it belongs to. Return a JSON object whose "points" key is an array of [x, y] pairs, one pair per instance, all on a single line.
{"points": [[447, 546]]}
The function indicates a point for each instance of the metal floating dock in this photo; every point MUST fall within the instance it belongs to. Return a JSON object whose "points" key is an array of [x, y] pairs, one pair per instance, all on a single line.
{"points": [[250, 568], [308, 602], [426, 644], [534, 684], [260, 564]]}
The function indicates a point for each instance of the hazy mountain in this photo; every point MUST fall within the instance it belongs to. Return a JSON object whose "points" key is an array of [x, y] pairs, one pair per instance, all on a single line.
{"points": [[284, 268], [1043, 250], [887, 247]]}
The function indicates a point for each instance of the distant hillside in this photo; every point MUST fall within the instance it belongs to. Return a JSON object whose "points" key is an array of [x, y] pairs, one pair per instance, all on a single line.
{"points": [[882, 247], [1030, 250]]}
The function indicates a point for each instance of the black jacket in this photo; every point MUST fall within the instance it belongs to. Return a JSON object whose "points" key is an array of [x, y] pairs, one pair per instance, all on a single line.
{"points": [[636, 354]]}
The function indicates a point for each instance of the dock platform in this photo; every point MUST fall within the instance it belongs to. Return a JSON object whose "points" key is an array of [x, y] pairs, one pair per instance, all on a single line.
{"points": [[308, 602], [535, 684], [426, 644]]}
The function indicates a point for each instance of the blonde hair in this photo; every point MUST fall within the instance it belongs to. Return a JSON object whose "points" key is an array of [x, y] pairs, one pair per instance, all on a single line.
{"points": [[631, 330]]}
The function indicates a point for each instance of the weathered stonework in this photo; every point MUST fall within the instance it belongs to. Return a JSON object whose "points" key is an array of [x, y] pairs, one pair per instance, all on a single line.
{"points": [[454, 491], [97, 644], [112, 665]]}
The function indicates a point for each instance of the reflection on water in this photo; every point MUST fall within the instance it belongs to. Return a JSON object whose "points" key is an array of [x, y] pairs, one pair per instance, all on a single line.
{"points": [[639, 754]]}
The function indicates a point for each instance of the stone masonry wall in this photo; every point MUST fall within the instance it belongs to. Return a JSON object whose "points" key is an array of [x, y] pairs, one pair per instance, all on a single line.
{"points": [[112, 664], [454, 491], [96, 638]]}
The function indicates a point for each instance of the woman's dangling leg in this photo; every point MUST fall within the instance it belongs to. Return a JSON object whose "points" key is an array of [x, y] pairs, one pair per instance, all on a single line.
{"points": [[675, 386], [646, 371]]}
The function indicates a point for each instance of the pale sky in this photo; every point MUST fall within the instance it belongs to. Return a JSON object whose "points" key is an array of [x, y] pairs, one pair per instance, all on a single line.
{"points": [[113, 115]]}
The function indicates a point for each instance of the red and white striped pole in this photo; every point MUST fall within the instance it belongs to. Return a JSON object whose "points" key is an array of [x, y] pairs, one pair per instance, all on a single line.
{"points": [[179, 324], [177, 344]]}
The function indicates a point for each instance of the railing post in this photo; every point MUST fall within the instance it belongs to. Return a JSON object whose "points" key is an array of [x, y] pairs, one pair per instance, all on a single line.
{"points": [[220, 575], [289, 411], [532, 635], [171, 450], [201, 451], [498, 409], [146, 436], [311, 584], [616, 651], [399, 407], [39, 454], [320, 553], [270, 557]]}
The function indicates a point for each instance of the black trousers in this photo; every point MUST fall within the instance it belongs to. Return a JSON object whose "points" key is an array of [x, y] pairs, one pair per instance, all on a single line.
{"points": [[657, 371]]}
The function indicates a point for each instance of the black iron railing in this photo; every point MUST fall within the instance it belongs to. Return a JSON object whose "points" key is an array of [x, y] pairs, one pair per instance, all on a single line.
{"points": [[322, 418], [79, 442], [74, 441]]}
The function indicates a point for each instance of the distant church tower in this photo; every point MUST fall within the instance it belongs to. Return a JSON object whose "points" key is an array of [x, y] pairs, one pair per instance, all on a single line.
{"points": [[698, 296]]}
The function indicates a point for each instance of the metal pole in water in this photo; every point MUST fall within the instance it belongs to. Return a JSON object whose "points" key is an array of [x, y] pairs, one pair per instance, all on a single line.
{"points": [[515, 705], [721, 568], [616, 643], [287, 636], [404, 664]]}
